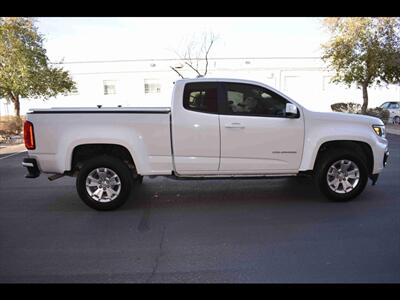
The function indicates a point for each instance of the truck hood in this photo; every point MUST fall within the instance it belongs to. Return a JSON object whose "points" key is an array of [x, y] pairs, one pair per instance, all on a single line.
{"points": [[345, 117]]}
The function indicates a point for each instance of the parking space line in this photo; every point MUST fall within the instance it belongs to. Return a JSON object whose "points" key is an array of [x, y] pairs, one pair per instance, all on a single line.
{"points": [[12, 154]]}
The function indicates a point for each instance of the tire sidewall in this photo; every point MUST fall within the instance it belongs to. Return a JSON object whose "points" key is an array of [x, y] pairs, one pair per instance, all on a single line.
{"points": [[327, 162], [108, 162]]}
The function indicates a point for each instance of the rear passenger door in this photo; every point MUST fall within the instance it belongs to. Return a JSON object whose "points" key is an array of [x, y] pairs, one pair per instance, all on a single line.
{"points": [[195, 130]]}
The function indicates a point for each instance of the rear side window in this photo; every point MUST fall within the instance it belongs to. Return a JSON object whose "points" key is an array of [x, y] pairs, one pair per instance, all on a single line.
{"points": [[201, 97]]}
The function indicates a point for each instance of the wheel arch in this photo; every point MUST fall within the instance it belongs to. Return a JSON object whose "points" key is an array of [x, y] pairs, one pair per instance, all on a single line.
{"points": [[83, 152], [359, 147]]}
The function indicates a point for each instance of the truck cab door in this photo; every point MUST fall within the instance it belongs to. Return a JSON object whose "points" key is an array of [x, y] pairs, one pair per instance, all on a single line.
{"points": [[195, 129], [258, 136]]}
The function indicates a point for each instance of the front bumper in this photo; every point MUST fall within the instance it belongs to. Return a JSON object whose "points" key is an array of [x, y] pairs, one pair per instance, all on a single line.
{"points": [[385, 158], [374, 177], [32, 167]]}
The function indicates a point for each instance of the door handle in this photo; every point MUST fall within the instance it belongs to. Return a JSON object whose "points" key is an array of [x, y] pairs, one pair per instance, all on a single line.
{"points": [[234, 125]]}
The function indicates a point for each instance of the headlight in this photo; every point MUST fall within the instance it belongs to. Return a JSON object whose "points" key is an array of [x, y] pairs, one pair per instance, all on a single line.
{"points": [[379, 130]]}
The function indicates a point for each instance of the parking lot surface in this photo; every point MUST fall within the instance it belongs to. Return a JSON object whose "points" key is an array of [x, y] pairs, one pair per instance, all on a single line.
{"points": [[278, 230]]}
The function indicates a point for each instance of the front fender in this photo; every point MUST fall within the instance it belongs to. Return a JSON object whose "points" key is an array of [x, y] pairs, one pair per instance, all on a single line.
{"points": [[320, 131]]}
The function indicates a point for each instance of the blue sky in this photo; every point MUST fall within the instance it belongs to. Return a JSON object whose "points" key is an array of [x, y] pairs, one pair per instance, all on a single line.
{"points": [[80, 39]]}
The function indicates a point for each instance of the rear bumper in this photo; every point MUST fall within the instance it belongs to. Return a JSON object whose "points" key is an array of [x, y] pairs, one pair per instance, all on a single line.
{"points": [[31, 165]]}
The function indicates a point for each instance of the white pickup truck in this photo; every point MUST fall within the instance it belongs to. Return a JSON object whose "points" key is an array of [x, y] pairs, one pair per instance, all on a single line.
{"points": [[215, 128]]}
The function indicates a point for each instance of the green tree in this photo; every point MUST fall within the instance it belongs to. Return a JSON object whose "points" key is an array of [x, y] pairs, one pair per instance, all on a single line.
{"points": [[363, 51], [25, 69]]}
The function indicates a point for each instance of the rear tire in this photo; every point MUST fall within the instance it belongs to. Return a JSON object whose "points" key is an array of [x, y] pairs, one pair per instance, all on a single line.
{"points": [[341, 174], [104, 182]]}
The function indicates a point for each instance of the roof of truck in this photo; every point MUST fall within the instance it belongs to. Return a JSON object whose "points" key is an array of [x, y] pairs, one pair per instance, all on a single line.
{"points": [[219, 79]]}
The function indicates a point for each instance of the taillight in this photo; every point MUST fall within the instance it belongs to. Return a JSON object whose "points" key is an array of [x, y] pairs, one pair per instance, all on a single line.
{"points": [[29, 137]]}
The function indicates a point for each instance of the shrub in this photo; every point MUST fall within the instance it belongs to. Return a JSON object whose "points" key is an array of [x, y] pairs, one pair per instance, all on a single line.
{"points": [[380, 113], [350, 107], [355, 108], [10, 126]]}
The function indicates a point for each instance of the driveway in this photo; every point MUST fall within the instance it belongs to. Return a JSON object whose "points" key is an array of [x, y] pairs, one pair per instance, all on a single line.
{"points": [[279, 230]]}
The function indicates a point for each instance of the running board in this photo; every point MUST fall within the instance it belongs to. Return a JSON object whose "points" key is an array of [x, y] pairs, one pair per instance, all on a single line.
{"points": [[238, 177]]}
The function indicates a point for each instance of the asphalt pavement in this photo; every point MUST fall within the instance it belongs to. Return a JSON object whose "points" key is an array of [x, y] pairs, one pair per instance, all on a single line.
{"points": [[236, 231]]}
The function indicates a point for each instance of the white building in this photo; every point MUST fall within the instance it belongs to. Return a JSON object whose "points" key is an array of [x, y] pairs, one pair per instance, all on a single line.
{"points": [[150, 82]]}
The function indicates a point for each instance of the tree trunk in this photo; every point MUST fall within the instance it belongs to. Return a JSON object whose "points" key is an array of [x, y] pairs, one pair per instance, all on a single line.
{"points": [[17, 108], [365, 98]]}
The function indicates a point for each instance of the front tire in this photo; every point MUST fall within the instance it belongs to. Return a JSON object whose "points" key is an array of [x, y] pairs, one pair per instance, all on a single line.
{"points": [[341, 175], [104, 182]]}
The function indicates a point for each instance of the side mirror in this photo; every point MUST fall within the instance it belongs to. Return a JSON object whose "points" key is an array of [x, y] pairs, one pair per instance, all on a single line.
{"points": [[291, 110]]}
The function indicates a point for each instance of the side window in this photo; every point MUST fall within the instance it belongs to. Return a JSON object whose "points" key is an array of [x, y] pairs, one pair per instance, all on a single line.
{"points": [[394, 106], [201, 97], [385, 105], [252, 100]]}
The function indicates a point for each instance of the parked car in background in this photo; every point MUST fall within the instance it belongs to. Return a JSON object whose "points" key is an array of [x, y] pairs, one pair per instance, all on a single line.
{"points": [[394, 109]]}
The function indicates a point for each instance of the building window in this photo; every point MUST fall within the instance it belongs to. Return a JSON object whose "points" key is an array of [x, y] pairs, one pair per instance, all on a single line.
{"points": [[152, 86], [291, 82], [109, 87]]}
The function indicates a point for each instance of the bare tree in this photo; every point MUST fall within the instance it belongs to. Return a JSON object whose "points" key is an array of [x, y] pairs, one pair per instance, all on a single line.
{"points": [[196, 50]]}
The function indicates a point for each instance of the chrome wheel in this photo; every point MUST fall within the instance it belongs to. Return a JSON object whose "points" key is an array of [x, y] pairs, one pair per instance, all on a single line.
{"points": [[343, 176], [103, 185]]}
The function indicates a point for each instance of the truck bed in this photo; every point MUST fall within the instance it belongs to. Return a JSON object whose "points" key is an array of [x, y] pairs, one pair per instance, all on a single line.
{"points": [[144, 131], [63, 110]]}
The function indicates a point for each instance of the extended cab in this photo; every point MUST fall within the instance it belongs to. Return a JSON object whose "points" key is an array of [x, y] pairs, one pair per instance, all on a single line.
{"points": [[215, 128]]}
